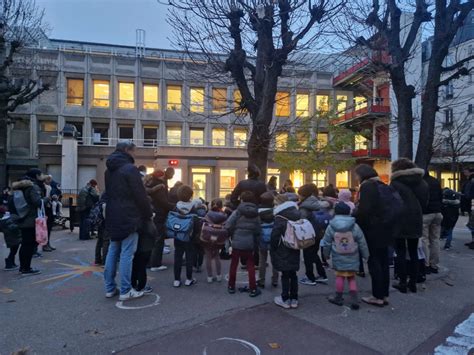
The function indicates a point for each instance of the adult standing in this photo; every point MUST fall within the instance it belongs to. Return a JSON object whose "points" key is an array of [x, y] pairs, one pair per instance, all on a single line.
{"points": [[49, 212], [272, 184], [127, 209], [88, 197], [432, 218], [467, 196], [252, 184], [407, 179]]}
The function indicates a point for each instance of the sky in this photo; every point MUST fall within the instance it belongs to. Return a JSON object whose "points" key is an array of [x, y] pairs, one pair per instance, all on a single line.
{"points": [[107, 21]]}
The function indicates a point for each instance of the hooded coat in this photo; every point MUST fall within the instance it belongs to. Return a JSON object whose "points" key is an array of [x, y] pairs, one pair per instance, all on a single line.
{"points": [[450, 211], [414, 192], [311, 204], [34, 195], [284, 258], [344, 262], [244, 226], [126, 198]]}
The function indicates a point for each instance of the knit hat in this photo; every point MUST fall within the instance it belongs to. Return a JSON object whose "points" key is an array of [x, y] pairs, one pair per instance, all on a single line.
{"points": [[307, 190], [342, 209], [345, 195], [266, 200], [279, 199]]}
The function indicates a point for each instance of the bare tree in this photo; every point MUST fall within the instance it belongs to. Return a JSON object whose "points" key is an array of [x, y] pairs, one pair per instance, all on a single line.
{"points": [[21, 24], [250, 41]]}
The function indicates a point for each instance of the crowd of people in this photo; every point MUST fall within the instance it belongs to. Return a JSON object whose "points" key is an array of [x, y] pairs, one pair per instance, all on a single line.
{"points": [[256, 226]]}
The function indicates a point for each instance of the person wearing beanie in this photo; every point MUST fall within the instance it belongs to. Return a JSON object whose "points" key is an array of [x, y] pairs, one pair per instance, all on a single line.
{"points": [[344, 241], [345, 196], [87, 198]]}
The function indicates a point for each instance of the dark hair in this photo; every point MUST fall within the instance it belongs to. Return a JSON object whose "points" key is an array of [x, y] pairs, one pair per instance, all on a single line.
{"points": [[170, 169], [290, 189], [124, 146], [185, 193], [266, 199], [402, 164], [142, 168], [253, 171], [308, 190], [248, 196], [33, 173], [217, 204], [330, 191], [365, 172]]}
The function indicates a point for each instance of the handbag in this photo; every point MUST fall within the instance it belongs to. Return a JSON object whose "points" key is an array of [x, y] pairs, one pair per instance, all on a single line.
{"points": [[41, 228]]}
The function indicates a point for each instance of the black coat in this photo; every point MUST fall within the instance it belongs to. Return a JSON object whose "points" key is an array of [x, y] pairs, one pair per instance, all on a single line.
{"points": [[284, 258], [450, 211], [414, 192], [436, 195], [254, 185], [158, 191], [126, 198]]}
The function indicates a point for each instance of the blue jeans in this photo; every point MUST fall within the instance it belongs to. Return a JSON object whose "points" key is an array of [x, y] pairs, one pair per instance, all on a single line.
{"points": [[125, 249], [448, 233]]}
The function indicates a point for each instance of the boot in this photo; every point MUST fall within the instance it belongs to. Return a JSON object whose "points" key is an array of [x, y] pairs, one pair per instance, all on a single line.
{"points": [[401, 286], [337, 299], [354, 300], [10, 265], [412, 286]]}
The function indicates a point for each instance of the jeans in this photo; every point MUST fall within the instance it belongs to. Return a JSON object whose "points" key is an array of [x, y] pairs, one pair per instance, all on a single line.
{"points": [[125, 249], [407, 267], [378, 264], [311, 257], [430, 239], [289, 285], [156, 259], [180, 249], [247, 255], [448, 233], [139, 277], [84, 232], [28, 247]]}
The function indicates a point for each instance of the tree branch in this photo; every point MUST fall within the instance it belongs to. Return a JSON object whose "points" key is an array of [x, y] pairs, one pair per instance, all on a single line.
{"points": [[461, 72], [458, 64], [26, 96]]}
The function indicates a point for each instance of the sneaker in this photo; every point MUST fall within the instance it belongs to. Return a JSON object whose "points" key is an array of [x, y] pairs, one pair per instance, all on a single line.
{"points": [[210, 279], [337, 299], [37, 255], [190, 282], [306, 281], [176, 283], [279, 302], [30, 272], [255, 293], [147, 289], [434, 270], [159, 268], [11, 267], [447, 247], [231, 290], [130, 295], [294, 303], [321, 280], [219, 278], [167, 250], [112, 294]]}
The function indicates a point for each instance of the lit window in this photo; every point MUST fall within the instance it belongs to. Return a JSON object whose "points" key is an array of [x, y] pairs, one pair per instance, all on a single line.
{"points": [[360, 102], [173, 96], [173, 136], [126, 96], [48, 126], [196, 97], [219, 100], [342, 180], [238, 101], [101, 94], [447, 180], [322, 140], [320, 178], [150, 136], [125, 132], [281, 141], [150, 97], [218, 137], [75, 92], [196, 137], [297, 177], [240, 138], [302, 105], [360, 142], [341, 103], [282, 104], [322, 103], [228, 181], [178, 176], [275, 173]]}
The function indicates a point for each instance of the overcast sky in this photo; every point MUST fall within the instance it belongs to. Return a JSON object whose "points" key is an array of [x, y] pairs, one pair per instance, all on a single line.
{"points": [[108, 21]]}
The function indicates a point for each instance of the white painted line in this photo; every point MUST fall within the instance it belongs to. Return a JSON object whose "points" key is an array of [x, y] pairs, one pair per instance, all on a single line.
{"points": [[461, 342], [156, 302], [245, 343]]}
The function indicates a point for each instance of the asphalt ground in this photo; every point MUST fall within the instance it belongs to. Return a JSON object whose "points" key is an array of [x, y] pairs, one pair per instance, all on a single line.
{"points": [[64, 310]]}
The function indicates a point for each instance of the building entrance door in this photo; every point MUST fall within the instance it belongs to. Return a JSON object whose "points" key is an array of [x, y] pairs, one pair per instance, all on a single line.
{"points": [[201, 182]]}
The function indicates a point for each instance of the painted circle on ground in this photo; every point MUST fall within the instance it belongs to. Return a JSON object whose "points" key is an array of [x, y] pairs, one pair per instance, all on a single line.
{"points": [[246, 344], [156, 302]]}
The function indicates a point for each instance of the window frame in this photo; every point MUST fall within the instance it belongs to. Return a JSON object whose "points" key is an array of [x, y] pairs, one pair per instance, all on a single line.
{"points": [[95, 99], [234, 136], [176, 107], [280, 97], [126, 101], [201, 130], [304, 113], [73, 98]]}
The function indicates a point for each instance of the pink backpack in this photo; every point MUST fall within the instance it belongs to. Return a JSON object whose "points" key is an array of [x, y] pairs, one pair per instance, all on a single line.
{"points": [[299, 234], [214, 234], [345, 243]]}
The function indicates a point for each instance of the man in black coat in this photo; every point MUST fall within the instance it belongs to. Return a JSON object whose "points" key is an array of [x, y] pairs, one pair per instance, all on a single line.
{"points": [[127, 206], [252, 184], [467, 197]]}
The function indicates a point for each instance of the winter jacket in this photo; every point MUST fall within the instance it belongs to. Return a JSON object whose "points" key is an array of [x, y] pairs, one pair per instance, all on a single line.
{"points": [[126, 198], [284, 258], [266, 215], [244, 226], [87, 198], [190, 207], [34, 195], [345, 196], [450, 211], [158, 191], [310, 205], [435, 195], [344, 262], [415, 194], [468, 188], [254, 185]]}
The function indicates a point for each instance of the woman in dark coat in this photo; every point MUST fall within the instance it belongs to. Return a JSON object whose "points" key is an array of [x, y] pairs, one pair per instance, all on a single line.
{"points": [[407, 179]]}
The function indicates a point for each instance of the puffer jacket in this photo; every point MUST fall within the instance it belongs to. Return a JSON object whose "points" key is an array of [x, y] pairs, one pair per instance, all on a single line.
{"points": [[344, 262], [284, 258], [34, 195], [415, 193], [310, 205], [126, 198], [216, 217], [244, 226]]}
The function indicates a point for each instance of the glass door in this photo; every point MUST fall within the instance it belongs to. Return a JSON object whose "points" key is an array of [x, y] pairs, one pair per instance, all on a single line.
{"points": [[201, 184]]}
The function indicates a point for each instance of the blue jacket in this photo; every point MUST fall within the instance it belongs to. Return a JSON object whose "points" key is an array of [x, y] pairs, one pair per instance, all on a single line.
{"points": [[126, 198], [344, 262]]}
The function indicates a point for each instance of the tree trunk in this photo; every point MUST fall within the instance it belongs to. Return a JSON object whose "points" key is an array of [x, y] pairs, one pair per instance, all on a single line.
{"points": [[3, 149], [259, 142], [404, 119]]}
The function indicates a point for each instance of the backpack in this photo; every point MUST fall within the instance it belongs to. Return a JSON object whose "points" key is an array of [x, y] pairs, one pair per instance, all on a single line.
{"points": [[266, 234], [214, 234], [179, 226], [96, 216], [18, 205], [321, 221], [344, 243], [299, 234], [391, 204]]}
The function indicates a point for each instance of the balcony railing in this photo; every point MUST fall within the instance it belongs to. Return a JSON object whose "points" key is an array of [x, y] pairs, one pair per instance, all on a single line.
{"points": [[371, 107], [372, 153], [377, 56]]}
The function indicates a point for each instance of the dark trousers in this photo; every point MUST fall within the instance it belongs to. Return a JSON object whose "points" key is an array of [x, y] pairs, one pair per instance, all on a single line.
{"points": [[180, 249], [102, 246], [198, 255], [311, 257], [12, 254], [289, 285], [28, 247], [156, 259], [406, 267], [140, 261], [247, 255], [49, 222], [379, 271], [84, 232]]}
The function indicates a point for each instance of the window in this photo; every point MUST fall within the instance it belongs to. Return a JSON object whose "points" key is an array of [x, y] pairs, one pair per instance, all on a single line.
{"points": [[447, 180], [282, 104], [101, 89], [276, 173], [240, 138], [219, 100], [320, 178], [173, 136], [100, 134], [48, 126], [150, 97], [196, 136], [20, 138], [126, 96], [449, 91], [342, 180], [341, 103], [322, 140], [47, 132], [297, 177], [173, 96], [360, 142], [150, 136], [238, 102], [302, 105], [448, 117], [75, 92], [125, 133], [196, 98], [322, 103], [228, 180], [302, 139], [218, 137], [360, 102], [281, 141]]}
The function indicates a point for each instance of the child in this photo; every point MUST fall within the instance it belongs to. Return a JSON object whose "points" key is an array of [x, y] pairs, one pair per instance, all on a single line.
{"points": [[201, 211], [265, 212], [344, 240], [450, 211], [244, 226], [284, 259], [215, 216], [345, 196]]}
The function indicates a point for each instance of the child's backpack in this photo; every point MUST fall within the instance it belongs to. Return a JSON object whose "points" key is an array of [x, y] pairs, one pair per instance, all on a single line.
{"points": [[10, 230], [321, 221], [179, 226], [391, 204], [345, 243], [214, 234], [266, 234], [299, 234], [17, 204], [96, 216]]}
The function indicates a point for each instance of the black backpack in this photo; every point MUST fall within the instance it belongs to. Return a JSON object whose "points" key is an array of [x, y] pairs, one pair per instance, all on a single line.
{"points": [[391, 204]]}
